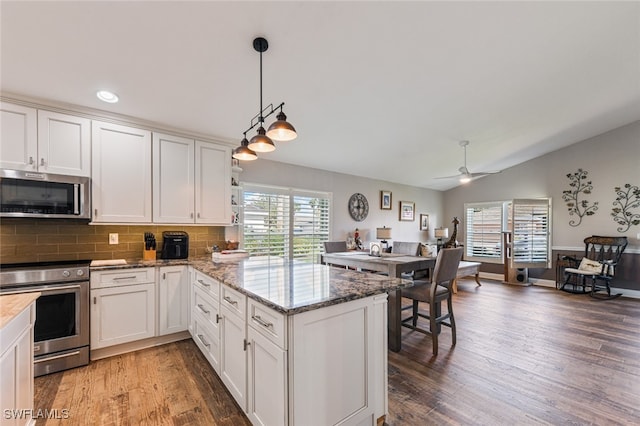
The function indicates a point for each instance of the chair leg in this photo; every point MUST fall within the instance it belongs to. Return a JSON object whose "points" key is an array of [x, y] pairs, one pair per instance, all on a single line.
{"points": [[433, 327], [415, 314], [452, 321]]}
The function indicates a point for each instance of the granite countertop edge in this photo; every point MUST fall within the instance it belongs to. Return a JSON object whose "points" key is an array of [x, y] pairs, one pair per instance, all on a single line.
{"points": [[197, 264]]}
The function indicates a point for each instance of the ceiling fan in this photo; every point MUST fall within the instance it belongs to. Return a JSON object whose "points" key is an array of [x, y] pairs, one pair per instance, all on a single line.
{"points": [[464, 175]]}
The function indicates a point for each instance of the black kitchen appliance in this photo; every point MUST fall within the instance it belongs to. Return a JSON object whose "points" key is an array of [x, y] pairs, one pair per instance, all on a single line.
{"points": [[175, 245]]}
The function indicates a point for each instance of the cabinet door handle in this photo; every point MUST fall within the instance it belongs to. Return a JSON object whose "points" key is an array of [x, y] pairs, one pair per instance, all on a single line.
{"points": [[30, 160], [201, 306], [198, 215], [230, 301], [262, 322], [246, 344], [204, 284], [218, 318], [95, 213], [164, 275], [42, 162], [191, 215], [94, 301], [204, 342]]}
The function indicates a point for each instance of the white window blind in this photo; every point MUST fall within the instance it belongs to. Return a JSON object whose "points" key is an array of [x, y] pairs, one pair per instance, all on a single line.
{"points": [[287, 223], [483, 232], [531, 233]]}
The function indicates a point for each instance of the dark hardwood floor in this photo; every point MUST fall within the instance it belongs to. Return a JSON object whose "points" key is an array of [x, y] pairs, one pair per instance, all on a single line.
{"points": [[525, 356]]}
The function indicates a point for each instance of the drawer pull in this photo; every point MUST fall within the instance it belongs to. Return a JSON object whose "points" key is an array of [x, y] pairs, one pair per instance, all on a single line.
{"points": [[204, 284], [204, 342], [218, 318], [201, 306], [262, 322], [124, 278], [230, 301]]}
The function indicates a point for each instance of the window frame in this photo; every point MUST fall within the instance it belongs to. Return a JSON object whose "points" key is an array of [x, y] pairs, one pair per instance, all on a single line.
{"points": [[317, 227]]}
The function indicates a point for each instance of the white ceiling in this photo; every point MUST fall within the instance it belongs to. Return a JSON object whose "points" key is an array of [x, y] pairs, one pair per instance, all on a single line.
{"points": [[384, 90]]}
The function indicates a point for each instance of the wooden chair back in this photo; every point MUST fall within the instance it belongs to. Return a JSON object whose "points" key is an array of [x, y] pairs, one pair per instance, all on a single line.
{"points": [[335, 246]]}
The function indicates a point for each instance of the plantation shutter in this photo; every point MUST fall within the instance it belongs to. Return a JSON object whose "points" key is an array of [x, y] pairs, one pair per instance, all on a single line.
{"points": [[531, 233], [483, 232], [286, 223]]}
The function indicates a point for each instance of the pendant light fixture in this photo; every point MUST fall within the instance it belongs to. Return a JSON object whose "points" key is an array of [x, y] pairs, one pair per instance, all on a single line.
{"points": [[280, 130]]}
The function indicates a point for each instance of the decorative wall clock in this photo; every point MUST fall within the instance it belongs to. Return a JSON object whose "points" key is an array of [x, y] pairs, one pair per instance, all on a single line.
{"points": [[358, 207]]}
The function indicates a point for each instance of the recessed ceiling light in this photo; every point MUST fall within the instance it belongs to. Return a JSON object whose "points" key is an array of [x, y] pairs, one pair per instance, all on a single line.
{"points": [[107, 96]]}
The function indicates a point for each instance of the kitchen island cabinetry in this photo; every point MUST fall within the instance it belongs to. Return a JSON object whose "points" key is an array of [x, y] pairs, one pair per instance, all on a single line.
{"points": [[310, 341], [44, 141], [121, 174], [123, 306]]}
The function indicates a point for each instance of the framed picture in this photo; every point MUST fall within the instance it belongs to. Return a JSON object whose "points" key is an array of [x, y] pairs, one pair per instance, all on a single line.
{"points": [[407, 210], [385, 200], [424, 222]]}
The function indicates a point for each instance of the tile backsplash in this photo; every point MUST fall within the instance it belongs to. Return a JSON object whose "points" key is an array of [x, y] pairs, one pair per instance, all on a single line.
{"points": [[41, 240]]}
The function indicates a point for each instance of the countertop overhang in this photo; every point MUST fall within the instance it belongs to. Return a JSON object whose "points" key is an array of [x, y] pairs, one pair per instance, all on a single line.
{"points": [[287, 287]]}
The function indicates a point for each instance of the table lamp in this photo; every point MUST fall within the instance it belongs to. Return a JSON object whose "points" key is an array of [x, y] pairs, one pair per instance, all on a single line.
{"points": [[441, 233], [383, 234]]}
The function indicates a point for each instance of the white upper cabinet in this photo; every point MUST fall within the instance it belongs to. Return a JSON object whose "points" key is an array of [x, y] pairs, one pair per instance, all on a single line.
{"points": [[213, 183], [192, 181], [18, 137], [121, 174], [173, 175], [44, 141], [64, 144]]}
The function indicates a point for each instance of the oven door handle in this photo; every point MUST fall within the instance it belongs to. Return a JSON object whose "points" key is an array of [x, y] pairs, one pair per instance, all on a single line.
{"points": [[39, 289], [51, 358]]}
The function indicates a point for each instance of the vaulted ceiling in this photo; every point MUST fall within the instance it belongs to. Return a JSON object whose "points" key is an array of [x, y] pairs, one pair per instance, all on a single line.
{"points": [[384, 90]]}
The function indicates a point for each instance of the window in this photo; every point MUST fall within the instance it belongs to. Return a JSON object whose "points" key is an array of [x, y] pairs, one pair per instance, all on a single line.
{"points": [[527, 223], [483, 231], [287, 223]]}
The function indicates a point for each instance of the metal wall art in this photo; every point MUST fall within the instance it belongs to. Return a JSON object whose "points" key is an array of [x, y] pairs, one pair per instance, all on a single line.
{"points": [[627, 198], [577, 206]]}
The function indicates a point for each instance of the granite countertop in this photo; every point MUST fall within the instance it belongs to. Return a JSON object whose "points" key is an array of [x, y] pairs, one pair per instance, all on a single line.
{"points": [[289, 288], [13, 304]]}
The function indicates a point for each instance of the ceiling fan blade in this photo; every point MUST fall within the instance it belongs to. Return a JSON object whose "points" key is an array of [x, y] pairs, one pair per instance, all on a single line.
{"points": [[480, 174], [448, 177]]}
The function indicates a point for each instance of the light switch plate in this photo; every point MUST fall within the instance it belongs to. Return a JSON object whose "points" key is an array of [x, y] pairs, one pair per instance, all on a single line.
{"points": [[113, 238]]}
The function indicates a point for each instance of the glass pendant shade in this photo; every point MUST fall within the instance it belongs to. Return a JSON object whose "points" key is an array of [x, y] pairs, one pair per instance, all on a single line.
{"points": [[261, 143], [243, 152], [282, 130]]}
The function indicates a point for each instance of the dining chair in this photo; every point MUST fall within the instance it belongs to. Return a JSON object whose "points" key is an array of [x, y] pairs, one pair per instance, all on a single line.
{"points": [[435, 292], [335, 246]]}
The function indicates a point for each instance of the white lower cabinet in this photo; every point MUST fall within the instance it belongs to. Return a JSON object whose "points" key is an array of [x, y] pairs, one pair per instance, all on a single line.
{"points": [[123, 306], [267, 381], [173, 299], [233, 344], [16, 366], [326, 366]]}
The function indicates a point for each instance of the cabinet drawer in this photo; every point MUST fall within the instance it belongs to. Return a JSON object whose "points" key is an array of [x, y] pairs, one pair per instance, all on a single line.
{"points": [[268, 322], [208, 342], [235, 301], [207, 284], [120, 277], [205, 307]]}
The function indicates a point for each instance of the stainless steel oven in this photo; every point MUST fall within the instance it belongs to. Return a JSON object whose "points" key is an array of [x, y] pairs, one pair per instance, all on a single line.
{"points": [[61, 331]]}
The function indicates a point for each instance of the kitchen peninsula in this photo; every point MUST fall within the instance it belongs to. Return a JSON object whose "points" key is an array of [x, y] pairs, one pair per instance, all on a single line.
{"points": [[316, 339], [294, 343]]}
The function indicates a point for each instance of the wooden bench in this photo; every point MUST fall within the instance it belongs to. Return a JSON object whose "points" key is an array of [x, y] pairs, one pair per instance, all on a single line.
{"points": [[466, 269]]}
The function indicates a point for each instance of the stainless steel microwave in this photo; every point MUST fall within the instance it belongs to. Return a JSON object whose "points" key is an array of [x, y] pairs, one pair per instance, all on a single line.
{"points": [[44, 195]]}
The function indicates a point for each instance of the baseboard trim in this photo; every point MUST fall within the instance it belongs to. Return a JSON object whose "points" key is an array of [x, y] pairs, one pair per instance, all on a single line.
{"points": [[96, 354]]}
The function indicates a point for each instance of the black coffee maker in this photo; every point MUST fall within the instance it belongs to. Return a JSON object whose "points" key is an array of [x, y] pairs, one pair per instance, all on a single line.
{"points": [[175, 245]]}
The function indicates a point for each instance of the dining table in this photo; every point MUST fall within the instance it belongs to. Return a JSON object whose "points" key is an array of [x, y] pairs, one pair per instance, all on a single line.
{"points": [[393, 264]]}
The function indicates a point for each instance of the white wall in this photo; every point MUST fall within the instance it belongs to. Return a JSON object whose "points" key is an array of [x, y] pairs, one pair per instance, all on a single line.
{"points": [[342, 186], [612, 159]]}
